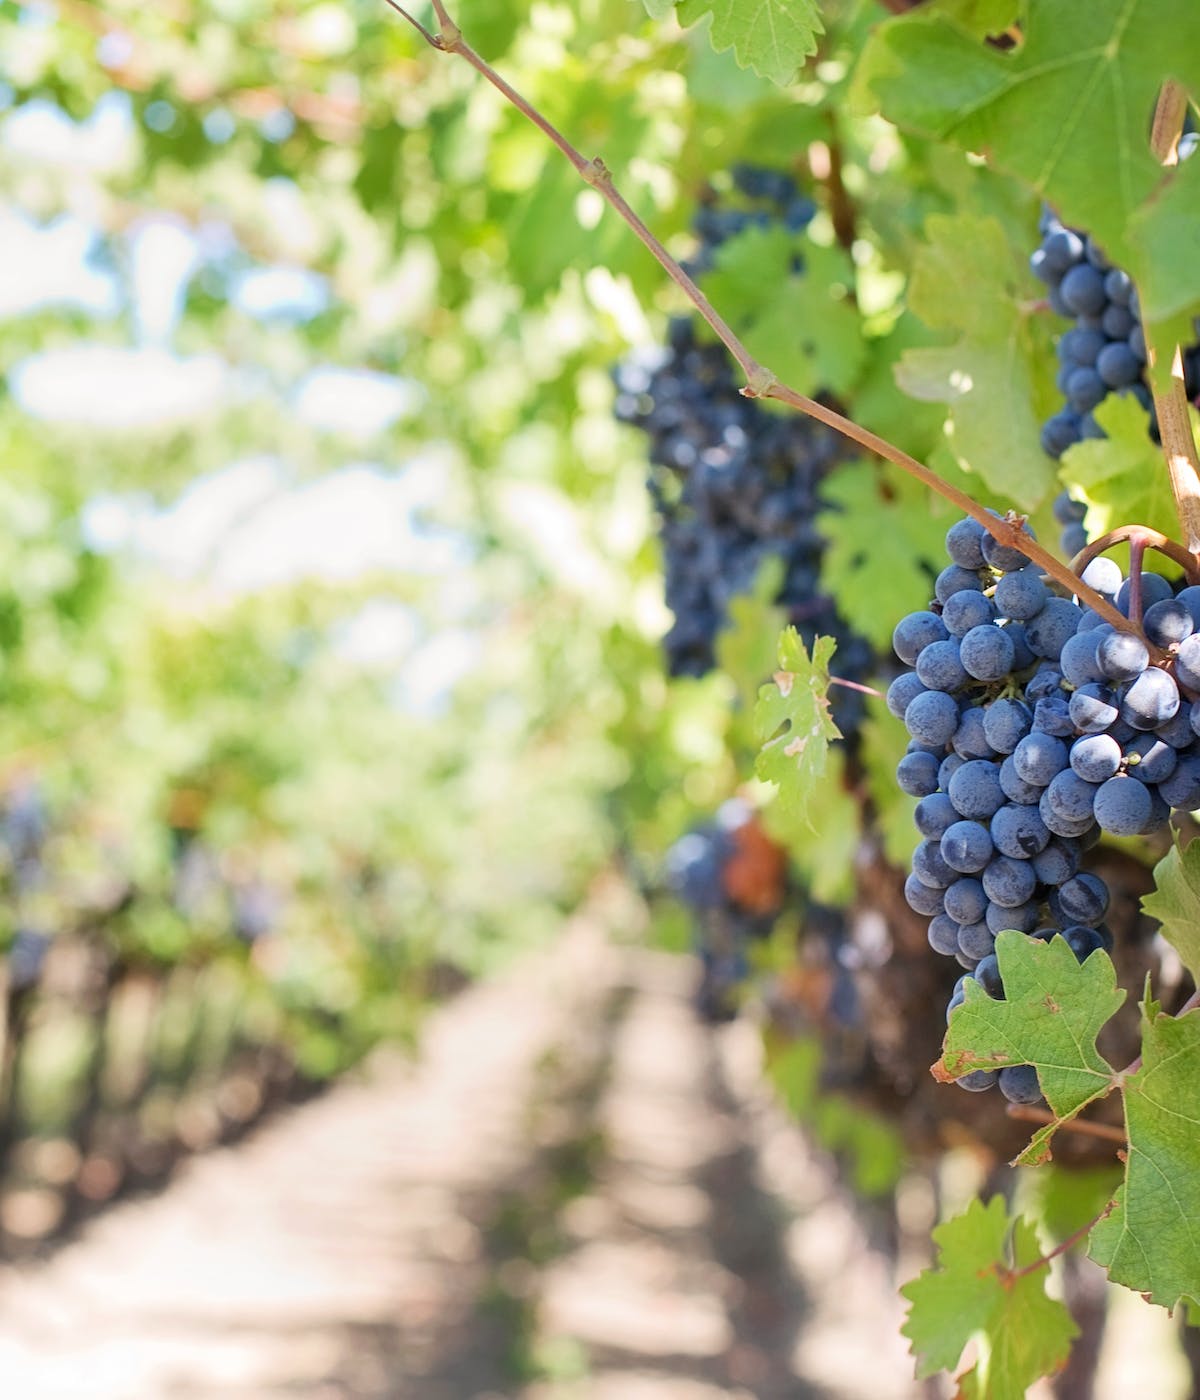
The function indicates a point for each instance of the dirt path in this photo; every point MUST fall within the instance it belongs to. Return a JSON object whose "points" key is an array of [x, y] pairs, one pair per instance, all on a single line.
{"points": [[577, 1193]]}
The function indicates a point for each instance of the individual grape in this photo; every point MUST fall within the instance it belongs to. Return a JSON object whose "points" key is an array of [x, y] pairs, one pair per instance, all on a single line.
{"points": [[1019, 831], [987, 653], [939, 666], [975, 790], [965, 610], [1149, 759], [1121, 656], [1118, 366], [902, 692], [1053, 716], [930, 868], [1187, 663], [1019, 1084], [1023, 656], [1057, 863], [966, 846], [934, 815], [1190, 598], [1104, 575], [1015, 788], [1083, 942], [978, 1080], [1005, 723], [954, 580], [923, 899], [1122, 806], [1079, 659], [1058, 822], [966, 901], [1069, 796], [932, 717], [1022, 917], [987, 974], [1093, 709], [1182, 789], [1045, 682], [1168, 622], [1050, 630], [970, 738], [1083, 290], [943, 935], [1038, 758], [917, 774], [975, 941], [1095, 758], [1083, 899], [1150, 700], [950, 765], [1009, 882], [964, 543], [1064, 507], [1177, 731], [1021, 595]]}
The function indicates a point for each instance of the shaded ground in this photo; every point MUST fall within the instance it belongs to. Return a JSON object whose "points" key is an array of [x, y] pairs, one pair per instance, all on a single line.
{"points": [[577, 1193]]}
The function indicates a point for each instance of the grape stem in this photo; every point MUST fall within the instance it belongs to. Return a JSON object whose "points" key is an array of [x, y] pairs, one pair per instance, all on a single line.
{"points": [[1170, 395], [1151, 539], [761, 383]]}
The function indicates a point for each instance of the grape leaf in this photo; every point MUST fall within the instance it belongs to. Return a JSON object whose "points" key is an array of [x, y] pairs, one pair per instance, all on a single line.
{"points": [[1121, 477], [965, 279], [773, 37], [884, 539], [1054, 1009], [802, 325], [1151, 1240], [797, 702], [822, 839], [1175, 903], [981, 17], [1074, 98], [975, 1292]]}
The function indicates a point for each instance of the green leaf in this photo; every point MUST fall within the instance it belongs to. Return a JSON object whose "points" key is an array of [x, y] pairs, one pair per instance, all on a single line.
{"points": [[1175, 903], [658, 9], [802, 325], [966, 280], [885, 539], [1151, 1240], [975, 1293], [1122, 477], [773, 37], [822, 838], [981, 17], [796, 702], [1073, 99], [1054, 1008]]}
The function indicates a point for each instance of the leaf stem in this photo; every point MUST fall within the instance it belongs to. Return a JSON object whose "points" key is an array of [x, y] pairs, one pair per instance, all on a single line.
{"points": [[1071, 1240], [760, 381], [854, 685]]}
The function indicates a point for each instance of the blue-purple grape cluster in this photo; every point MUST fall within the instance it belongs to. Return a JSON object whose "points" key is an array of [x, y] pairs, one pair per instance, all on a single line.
{"points": [[733, 484], [722, 926], [1036, 725], [1104, 352]]}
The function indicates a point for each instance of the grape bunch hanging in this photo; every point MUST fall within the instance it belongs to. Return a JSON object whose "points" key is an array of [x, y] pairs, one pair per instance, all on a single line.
{"points": [[733, 484], [733, 879], [1035, 726]]}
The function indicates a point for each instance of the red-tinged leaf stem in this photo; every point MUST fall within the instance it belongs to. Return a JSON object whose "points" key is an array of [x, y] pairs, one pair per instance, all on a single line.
{"points": [[760, 381], [1170, 400], [1011, 1275], [854, 685]]}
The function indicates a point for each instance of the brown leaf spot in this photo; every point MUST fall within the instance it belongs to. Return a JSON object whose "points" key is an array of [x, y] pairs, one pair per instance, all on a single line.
{"points": [[784, 680], [1051, 1005], [797, 746]]}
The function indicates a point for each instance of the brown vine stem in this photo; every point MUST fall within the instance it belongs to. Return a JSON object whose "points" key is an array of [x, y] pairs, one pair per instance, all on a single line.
{"points": [[761, 383], [1069, 1243], [1170, 400], [1028, 1113]]}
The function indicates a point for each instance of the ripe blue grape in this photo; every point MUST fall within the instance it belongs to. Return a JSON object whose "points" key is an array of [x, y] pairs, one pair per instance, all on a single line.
{"points": [[1019, 1084], [1123, 806], [966, 846], [1019, 831], [917, 774], [975, 790], [1150, 700], [966, 901]]}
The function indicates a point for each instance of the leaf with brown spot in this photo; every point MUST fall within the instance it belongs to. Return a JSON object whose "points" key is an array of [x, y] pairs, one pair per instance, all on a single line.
{"points": [[793, 720]]}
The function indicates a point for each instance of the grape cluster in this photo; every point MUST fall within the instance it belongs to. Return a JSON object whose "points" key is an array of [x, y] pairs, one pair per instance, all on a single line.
{"points": [[733, 484], [1104, 352], [702, 870], [1035, 726]]}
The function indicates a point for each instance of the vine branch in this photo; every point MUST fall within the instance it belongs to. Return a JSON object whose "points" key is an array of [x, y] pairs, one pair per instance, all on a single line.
{"points": [[760, 381], [1170, 400]]}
